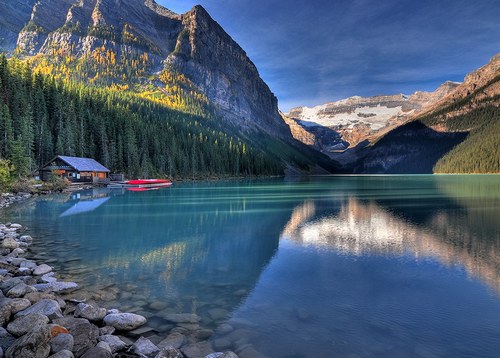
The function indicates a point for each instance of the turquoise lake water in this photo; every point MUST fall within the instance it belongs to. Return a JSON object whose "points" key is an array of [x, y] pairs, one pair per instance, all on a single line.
{"points": [[342, 266]]}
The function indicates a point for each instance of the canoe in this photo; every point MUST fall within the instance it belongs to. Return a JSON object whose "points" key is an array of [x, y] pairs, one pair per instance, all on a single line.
{"points": [[141, 183]]}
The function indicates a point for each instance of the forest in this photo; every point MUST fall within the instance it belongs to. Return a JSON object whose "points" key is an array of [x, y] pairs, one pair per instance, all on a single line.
{"points": [[42, 116]]}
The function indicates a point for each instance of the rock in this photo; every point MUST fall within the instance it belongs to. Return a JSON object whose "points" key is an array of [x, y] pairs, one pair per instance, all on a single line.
{"points": [[6, 285], [34, 344], [63, 354], [5, 310], [105, 346], [48, 277], [70, 322], [90, 312], [169, 352], [97, 352], [49, 308], [175, 340], [16, 226], [124, 321], [26, 238], [106, 330], [85, 337], [144, 347], [20, 290], [60, 342], [158, 305], [6, 339], [115, 343], [221, 343], [17, 252], [182, 317], [34, 297], [19, 304], [200, 349], [61, 287], [24, 324], [42, 270], [10, 243]]}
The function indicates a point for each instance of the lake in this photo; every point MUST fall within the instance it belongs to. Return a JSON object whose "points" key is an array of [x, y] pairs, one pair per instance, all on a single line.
{"points": [[337, 266]]}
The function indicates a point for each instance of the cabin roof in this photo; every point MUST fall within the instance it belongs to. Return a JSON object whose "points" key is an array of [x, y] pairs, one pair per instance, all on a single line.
{"points": [[83, 164]]}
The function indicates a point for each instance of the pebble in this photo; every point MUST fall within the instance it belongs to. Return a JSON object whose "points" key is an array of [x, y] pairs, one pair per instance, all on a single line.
{"points": [[33, 300]]}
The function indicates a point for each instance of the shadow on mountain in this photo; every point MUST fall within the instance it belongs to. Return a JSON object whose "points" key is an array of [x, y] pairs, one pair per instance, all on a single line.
{"points": [[412, 148]]}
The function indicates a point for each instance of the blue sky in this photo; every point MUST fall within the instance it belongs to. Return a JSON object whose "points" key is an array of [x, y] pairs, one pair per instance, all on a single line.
{"points": [[316, 51]]}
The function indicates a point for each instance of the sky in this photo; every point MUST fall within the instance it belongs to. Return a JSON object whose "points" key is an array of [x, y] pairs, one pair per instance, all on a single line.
{"points": [[311, 52]]}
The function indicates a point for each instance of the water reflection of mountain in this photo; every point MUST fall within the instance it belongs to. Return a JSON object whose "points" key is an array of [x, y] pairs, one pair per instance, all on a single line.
{"points": [[456, 235]]}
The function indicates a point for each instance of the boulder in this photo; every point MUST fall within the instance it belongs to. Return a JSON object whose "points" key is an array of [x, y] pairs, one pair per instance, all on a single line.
{"points": [[63, 354], [97, 352], [115, 343], [144, 347], [124, 321], [6, 339], [49, 308], [19, 304], [85, 337], [105, 346], [10, 243], [175, 340], [34, 344], [90, 312], [23, 325], [20, 290], [169, 352], [42, 270], [182, 317], [63, 341]]}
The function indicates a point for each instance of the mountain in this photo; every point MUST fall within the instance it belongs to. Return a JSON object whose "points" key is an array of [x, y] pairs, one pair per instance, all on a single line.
{"points": [[451, 130], [342, 128], [185, 62], [456, 134]]}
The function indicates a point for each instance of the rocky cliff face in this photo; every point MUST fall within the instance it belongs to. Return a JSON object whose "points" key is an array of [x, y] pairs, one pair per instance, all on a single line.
{"points": [[214, 61], [341, 129], [133, 41]]}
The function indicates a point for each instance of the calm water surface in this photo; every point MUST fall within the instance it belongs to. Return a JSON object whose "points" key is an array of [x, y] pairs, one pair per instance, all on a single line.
{"points": [[345, 266]]}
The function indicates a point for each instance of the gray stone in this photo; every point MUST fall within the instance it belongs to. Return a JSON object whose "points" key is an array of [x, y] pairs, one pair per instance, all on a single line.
{"points": [[24, 324], [16, 226], [124, 321], [19, 304], [182, 317], [61, 287], [42, 270], [34, 344], [5, 310], [63, 341], [196, 350], [10, 243], [158, 305], [105, 346], [28, 264], [106, 330], [175, 340], [90, 312], [85, 337], [144, 347], [26, 238], [6, 339], [49, 308], [169, 352], [17, 252], [70, 322], [20, 290], [63, 354], [34, 297], [6, 285], [97, 352], [114, 342], [48, 277]]}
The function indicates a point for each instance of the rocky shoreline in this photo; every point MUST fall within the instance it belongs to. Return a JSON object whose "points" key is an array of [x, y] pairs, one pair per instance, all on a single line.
{"points": [[40, 317]]}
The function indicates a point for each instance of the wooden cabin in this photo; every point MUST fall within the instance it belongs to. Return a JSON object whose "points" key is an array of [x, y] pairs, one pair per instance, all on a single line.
{"points": [[76, 170]]}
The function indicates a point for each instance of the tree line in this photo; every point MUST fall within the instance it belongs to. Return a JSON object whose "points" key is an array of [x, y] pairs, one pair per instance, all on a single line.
{"points": [[42, 116]]}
